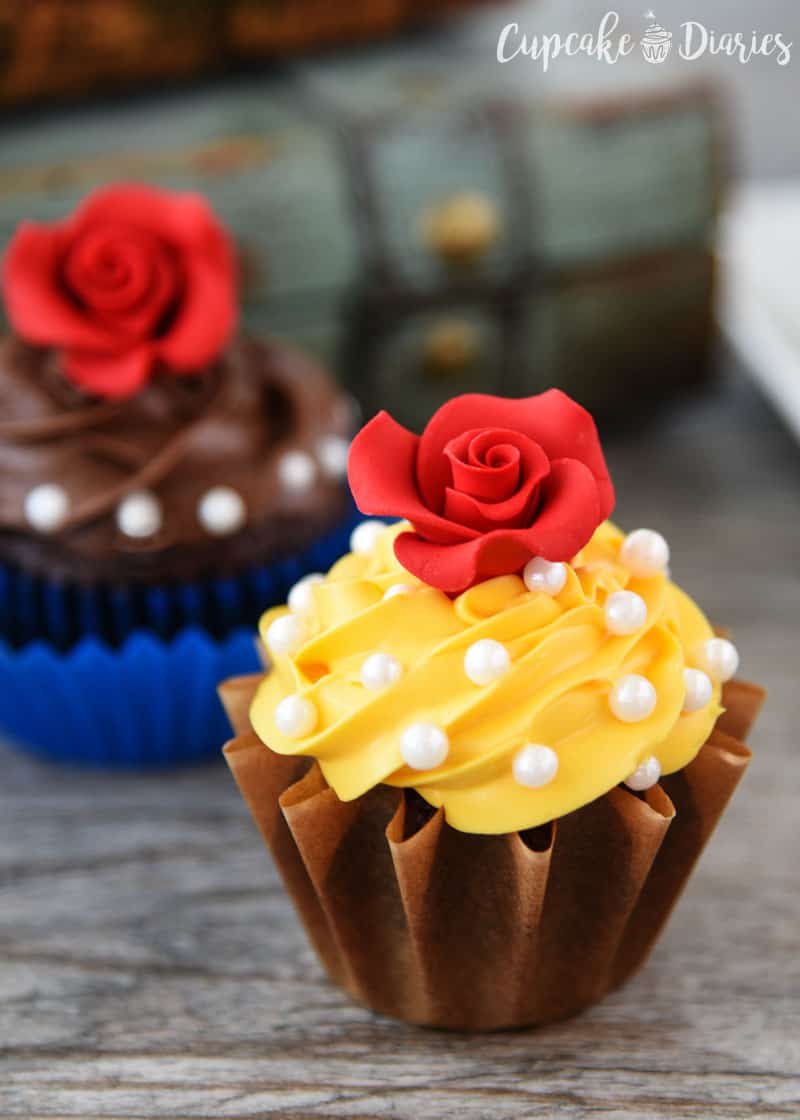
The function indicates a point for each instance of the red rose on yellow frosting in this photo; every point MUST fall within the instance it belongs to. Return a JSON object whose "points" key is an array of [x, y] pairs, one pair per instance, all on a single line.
{"points": [[489, 484], [135, 280]]}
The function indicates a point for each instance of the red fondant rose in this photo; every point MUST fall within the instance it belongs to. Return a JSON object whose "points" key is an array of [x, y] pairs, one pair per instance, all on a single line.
{"points": [[136, 279], [489, 484]]}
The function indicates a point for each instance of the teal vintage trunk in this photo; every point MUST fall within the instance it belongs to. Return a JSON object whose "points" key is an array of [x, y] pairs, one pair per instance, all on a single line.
{"points": [[423, 223]]}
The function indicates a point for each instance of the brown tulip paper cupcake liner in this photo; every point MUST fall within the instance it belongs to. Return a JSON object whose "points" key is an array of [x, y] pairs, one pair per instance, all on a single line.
{"points": [[449, 929]]}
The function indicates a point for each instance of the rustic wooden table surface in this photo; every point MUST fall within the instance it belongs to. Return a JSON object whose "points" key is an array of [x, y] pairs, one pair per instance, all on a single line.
{"points": [[150, 965]]}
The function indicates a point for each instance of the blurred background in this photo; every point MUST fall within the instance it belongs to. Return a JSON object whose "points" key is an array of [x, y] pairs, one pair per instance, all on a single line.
{"points": [[428, 221], [421, 217]]}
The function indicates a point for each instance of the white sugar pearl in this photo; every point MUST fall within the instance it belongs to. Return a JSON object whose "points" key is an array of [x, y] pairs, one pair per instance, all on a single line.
{"points": [[301, 597], [365, 536], [646, 775], [486, 661], [542, 575], [632, 698], [535, 766], [645, 553], [380, 670], [46, 507], [424, 746], [699, 689], [297, 470], [296, 717], [625, 612], [139, 515], [719, 658], [332, 452], [287, 634], [397, 589], [221, 511]]}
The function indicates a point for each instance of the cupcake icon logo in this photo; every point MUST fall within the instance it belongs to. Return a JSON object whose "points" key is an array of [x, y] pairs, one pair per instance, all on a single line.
{"points": [[656, 41]]}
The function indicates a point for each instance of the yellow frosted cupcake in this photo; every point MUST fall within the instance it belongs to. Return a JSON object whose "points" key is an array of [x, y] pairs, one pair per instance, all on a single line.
{"points": [[494, 738]]}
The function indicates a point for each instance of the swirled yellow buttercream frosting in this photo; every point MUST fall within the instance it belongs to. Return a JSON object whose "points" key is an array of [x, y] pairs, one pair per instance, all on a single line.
{"points": [[554, 686]]}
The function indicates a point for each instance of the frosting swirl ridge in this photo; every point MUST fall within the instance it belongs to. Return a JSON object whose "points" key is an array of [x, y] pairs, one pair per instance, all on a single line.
{"points": [[562, 664], [262, 406]]}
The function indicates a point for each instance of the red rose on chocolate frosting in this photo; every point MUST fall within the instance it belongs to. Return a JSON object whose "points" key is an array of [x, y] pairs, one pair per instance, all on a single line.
{"points": [[135, 280], [489, 484]]}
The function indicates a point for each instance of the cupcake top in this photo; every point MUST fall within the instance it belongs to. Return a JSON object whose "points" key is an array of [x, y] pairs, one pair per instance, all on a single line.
{"points": [[655, 35], [138, 432], [512, 655]]}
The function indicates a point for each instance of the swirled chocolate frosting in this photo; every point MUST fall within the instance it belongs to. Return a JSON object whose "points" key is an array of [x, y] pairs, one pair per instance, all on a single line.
{"points": [[193, 476]]}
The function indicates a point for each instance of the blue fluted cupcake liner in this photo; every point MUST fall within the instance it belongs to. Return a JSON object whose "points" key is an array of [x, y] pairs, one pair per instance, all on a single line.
{"points": [[36, 609], [127, 676], [147, 703]]}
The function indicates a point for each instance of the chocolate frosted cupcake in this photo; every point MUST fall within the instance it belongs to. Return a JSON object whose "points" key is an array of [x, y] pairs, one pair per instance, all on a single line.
{"points": [[497, 735], [164, 479], [189, 478]]}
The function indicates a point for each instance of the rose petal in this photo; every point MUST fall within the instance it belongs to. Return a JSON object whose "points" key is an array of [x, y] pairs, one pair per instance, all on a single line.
{"points": [[144, 320], [569, 514], [207, 314], [490, 485], [37, 307], [471, 474], [114, 376], [381, 473], [182, 218], [133, 300], [173, 253], [108, 268], [553, 420], [515, 512], [519, 508], [458, 567]]}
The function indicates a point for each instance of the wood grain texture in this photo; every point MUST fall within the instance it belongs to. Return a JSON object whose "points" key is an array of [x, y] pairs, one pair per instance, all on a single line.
{"points": [[150, 964]]}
